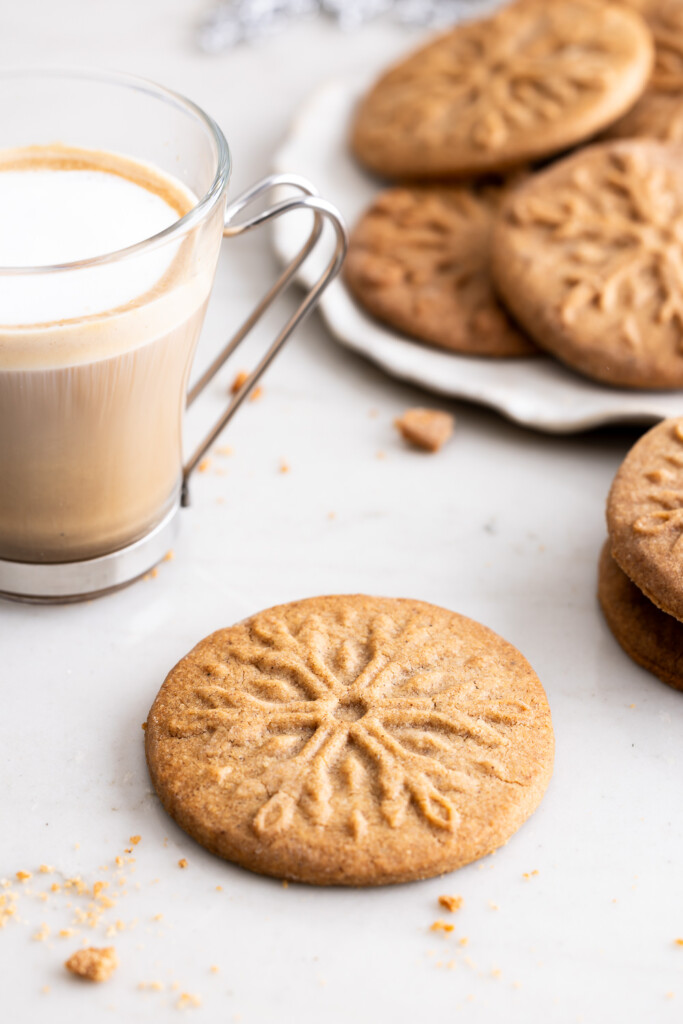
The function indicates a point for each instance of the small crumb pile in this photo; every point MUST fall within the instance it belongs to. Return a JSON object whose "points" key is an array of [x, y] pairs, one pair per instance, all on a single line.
{"points": [[93, 964], [428, 429]]}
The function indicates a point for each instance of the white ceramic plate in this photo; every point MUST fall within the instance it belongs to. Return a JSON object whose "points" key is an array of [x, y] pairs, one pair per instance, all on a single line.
{"points": [[536, 392]]}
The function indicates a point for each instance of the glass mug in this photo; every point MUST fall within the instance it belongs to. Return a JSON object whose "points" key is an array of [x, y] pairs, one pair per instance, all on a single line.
{"points": [[93, 382]]}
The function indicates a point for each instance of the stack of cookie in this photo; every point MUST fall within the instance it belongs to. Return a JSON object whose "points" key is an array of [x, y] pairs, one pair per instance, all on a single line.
{"points": [[482, 255], [640, 585]]}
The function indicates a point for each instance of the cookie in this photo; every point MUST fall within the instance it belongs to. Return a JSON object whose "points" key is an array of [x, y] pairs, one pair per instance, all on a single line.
{"points": [[651, 638], [588, 256], [418, 260], [645, 516], [658, 114], [531, 80], [351, 740]]}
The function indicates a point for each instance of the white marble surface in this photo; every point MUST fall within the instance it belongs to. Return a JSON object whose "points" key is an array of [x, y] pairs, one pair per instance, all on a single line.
{"points": [[503, 525]]}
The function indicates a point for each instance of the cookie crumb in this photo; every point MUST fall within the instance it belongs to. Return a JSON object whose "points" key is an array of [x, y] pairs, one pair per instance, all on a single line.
{"points": [[240, 380], [23, 876], [441, 926], [93, 964], [529, 874], [169, 556], [464, 941], [144, 726], [136, 839], [451, 903], [428, 429], [182, 863], [284, 466], [678, 942], [46, 988], [219, 888], [45, 869], [493, 906], [225, 449], [285, 884], [42, 933], [204, 465], [214, 969], [256, 394]]}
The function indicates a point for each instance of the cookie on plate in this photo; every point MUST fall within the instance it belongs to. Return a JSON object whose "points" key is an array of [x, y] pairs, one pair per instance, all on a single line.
{"points": [[531, 80], [351, 740], [658, 114], [418, 260], [649, 636], [588, 256], [645, 516]]}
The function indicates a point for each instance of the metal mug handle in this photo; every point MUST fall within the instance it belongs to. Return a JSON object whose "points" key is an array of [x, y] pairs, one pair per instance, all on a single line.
{"points": [[308, 199]]}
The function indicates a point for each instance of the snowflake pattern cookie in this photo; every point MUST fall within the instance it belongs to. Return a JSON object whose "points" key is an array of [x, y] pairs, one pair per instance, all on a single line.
{"points": [[419, 260], [651, 638], [588, 256], [658, 114], [645, 516], [351, 740], [530, 81]]}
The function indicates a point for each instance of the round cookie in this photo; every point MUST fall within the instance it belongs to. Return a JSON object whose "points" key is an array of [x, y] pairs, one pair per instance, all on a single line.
{"points": [[645, 516], [651, 638], [588, 256], [351, 740], [658, 114], [531, 80], [418, 260]]}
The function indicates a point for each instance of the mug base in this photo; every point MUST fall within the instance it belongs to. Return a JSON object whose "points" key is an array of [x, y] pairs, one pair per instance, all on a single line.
{"points": [[67, 582]]}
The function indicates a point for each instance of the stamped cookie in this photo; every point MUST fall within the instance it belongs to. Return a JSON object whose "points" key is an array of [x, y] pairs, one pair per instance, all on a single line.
{"points": [[418, 260], [351, 740], [532, 80], [658, 114], [645, 516], [588, 256], [651, 638]]}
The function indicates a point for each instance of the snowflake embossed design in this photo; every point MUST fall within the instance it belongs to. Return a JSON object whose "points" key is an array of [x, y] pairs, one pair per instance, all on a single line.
{"points": [[621, 244], [490, 80], [666, 24], [363, 735], [667, 497]]}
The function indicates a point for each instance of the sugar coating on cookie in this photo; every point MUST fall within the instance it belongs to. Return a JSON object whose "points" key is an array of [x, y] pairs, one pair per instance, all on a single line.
{"points": [[645, 516], [588, 255], [418, 260], [531, 80], [351, 740], [649, 636], [658, 114]]}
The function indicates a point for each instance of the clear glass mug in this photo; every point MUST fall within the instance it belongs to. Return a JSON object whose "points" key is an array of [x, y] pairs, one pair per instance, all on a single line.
{"points": [[92, 399]]}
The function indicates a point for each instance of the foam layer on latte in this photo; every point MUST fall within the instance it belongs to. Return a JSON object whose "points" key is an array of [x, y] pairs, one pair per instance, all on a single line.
{"points": [[60, 205]]}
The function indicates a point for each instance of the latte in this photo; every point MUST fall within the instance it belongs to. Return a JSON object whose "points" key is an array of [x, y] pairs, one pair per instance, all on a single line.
{"points": [[94, 359]]}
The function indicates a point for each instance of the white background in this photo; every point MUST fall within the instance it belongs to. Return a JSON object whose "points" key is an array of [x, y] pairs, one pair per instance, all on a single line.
{"points": [[503, 525]]}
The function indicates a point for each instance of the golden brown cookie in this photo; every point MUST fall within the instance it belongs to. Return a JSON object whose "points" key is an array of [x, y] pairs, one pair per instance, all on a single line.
{"points": [[588, 256], [531, 80], [418, 260], [658, 114], [351, 740], [651, 638], [645, 516]]}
